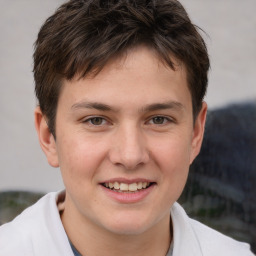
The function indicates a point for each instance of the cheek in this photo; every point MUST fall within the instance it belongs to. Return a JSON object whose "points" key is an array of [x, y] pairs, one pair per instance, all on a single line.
{"points": [[173, 158], [80, 158], [174, 151]]}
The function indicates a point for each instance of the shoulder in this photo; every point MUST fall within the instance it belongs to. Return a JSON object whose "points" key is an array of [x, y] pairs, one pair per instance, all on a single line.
{"points": [[206, 241], [216, 243], [34, 230]]}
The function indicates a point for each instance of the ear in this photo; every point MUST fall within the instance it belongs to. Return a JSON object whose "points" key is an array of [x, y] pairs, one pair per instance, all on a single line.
{"points": [[46, 139], [198, 132]]}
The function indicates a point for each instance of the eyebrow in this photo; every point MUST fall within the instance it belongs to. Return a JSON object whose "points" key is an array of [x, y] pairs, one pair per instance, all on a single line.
{"points": [[148, 108], [160, 106], [92, 105]]}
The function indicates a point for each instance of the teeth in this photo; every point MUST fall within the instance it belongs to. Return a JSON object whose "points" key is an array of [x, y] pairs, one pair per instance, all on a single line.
{"points": [[116, 185], [140, 185], [127, 187], [124, 186], [133, 187]]}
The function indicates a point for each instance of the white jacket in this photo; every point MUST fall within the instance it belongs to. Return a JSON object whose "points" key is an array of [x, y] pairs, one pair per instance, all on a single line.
{"points": [[38, 231]]}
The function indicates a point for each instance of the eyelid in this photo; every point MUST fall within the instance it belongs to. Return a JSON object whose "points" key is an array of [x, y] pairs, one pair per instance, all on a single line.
{"points": [[89, 118], [168, 119]]}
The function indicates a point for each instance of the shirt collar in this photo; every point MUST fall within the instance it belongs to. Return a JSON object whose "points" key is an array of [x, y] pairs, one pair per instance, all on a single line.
{"points": [[185, 241]]}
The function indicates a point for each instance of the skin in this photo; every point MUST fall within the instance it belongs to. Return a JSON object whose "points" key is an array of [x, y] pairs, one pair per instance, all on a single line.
{"points": [[144, 131]]}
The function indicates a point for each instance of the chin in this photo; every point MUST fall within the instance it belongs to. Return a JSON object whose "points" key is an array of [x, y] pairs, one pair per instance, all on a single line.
{"points": [[129, 225], [128, 229]]}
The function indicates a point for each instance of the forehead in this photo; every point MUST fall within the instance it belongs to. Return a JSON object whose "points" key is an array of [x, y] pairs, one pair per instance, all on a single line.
{"points": [[146, 56], [137, 76]]}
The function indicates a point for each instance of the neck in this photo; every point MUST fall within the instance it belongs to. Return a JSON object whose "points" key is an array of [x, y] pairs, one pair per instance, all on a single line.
{"points": [[92, 240]]}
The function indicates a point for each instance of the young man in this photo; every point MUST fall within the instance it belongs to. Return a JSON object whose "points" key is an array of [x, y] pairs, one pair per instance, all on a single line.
{"points": [[120, 86]]}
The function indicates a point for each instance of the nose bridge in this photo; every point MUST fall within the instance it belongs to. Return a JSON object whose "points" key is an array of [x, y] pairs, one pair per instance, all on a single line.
{"points": [[129, 147]]}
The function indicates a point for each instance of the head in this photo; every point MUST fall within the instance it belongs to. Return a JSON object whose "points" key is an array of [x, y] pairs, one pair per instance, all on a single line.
{"points": [[82, 37], [120, 85]]}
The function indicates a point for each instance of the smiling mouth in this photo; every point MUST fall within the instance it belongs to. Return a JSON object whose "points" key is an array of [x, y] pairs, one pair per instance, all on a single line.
{"points": [[127, 188]]}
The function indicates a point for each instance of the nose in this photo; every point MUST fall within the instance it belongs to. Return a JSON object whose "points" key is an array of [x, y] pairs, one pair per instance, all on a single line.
{"points": [[129, 148]]}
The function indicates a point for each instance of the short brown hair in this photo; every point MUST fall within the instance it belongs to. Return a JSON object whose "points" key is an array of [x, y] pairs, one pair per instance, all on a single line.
{"points": [[83, 35]]}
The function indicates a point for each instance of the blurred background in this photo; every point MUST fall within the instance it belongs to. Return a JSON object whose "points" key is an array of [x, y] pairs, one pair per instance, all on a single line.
{"points": [[231, 40]]}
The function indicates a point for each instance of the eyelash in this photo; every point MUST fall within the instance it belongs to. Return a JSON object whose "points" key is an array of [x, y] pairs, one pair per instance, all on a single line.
{"points": [[165, 120], [103, 120], [90, 120]]}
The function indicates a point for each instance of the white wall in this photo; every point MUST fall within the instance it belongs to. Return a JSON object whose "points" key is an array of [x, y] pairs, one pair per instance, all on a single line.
{"points": [[232, 45], [231, 26]]}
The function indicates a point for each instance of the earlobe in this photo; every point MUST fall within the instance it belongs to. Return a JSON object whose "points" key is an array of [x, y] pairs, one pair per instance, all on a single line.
{"points": [[46, 139], [198, 132]]}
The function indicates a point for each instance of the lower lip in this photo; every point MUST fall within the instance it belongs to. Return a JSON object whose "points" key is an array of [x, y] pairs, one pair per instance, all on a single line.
{"points": [[128, 197]]}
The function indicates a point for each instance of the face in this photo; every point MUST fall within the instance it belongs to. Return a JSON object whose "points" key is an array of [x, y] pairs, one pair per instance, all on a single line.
{"points": [[124, 143]]}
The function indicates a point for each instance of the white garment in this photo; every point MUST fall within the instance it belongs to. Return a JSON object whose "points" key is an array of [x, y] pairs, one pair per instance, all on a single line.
{"points": [[38, 231]]}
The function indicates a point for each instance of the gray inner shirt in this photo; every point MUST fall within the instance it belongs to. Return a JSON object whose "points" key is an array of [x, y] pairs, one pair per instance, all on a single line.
{"points": [[76, 252]]}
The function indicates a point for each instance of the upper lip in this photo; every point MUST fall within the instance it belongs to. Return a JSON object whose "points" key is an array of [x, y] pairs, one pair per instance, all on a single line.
{"points": [[127, 181]]}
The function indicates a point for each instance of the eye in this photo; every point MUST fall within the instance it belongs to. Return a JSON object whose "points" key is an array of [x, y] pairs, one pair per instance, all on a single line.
{"points": [[159, 120], [97, 121]]}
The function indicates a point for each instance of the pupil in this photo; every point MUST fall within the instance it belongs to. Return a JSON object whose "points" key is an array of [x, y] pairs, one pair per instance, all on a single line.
{"points": [[158, 120], [97, 121]]}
